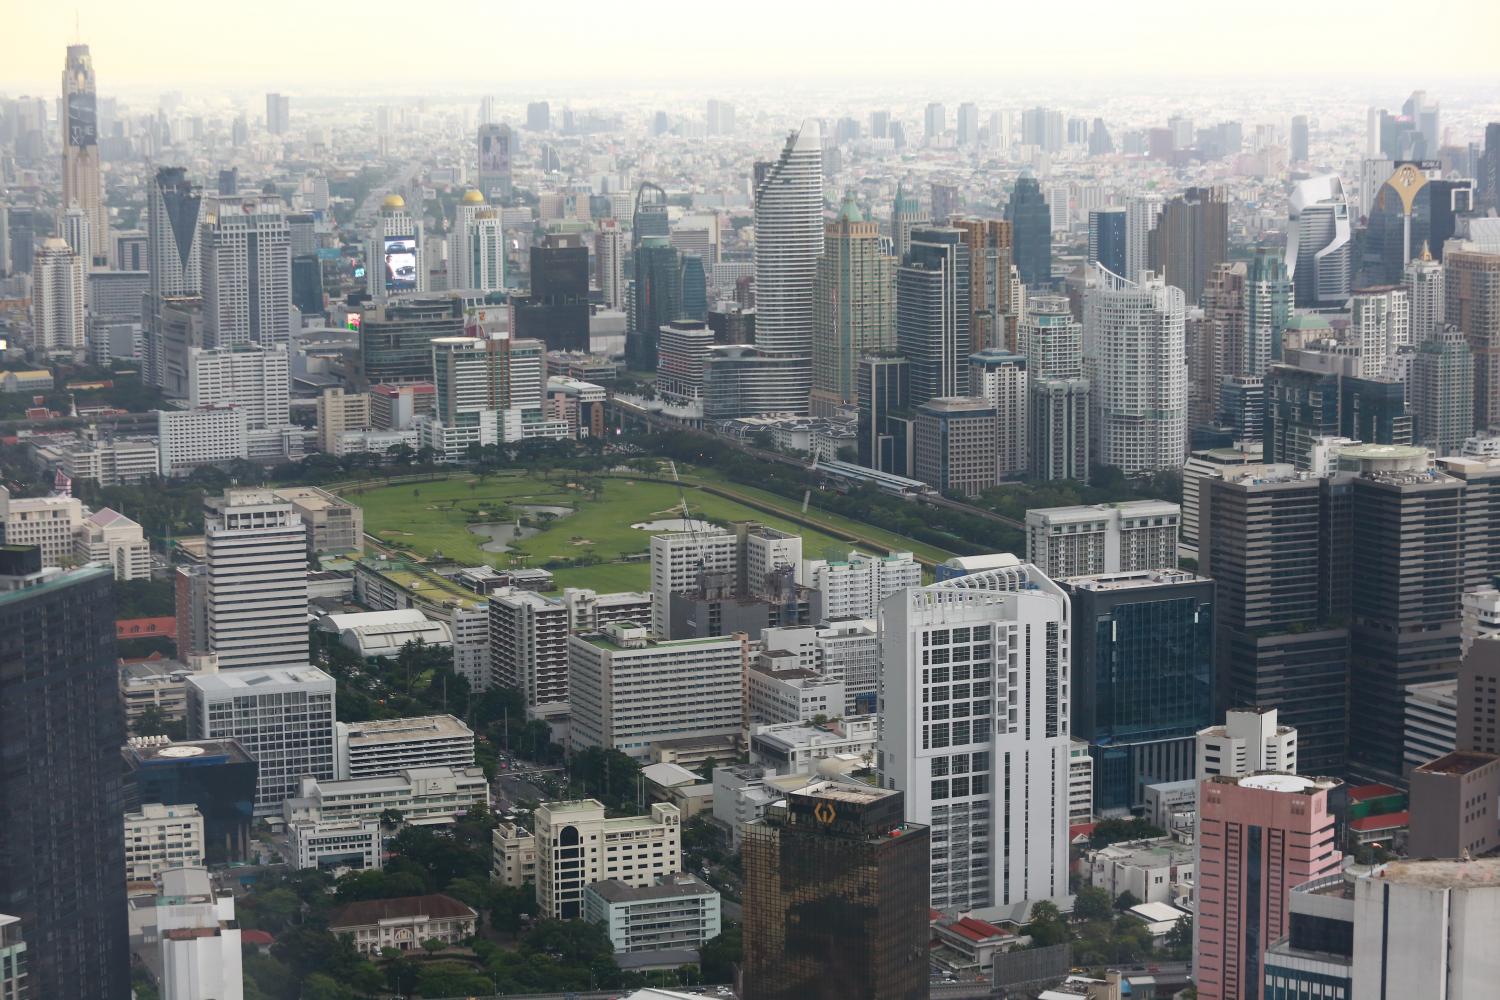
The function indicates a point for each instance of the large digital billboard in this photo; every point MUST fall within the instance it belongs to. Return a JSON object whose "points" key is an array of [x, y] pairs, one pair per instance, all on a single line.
{"points": [[400, 263], [83, 127]]}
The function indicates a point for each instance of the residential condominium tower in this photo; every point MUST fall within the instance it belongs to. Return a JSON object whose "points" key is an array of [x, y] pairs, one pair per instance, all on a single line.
{"points": [[256, 565], [854, 308]]}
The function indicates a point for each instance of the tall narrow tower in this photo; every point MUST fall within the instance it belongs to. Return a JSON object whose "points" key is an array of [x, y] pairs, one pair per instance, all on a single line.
{"points": [[788, 242], [80, 136], [854, 310]]}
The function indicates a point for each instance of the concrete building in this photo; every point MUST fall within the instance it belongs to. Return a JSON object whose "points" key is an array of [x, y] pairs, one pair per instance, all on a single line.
{"points": [[1127, 537], [577, 847], [158, 837], [513, 849], [12, 948], [199, 938], [956, 444], [109, 537], [679, 911], [1478, 682], [253, 378], [1431, 722], [529, 649], [358, 844], [1258, 835], [424, 796], [58, 316], [338, 413], [854, 587], [334, 525], [988, 769], [628, 691], [404, 923], [282, 717], [1455, 806], [256, 590], [187, 439], [1150, 870], [839, 746], [1249, 742], [1080, 783], [777, 692], [49, 523], [386, 633], [115, 462], [854, 306], [247, 272], [397, 253], [743, 791], [379, 747], [680, 561], [1001, 377]]}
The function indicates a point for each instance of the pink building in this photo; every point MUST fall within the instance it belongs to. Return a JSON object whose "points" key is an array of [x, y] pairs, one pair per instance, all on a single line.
{"points": [[1258, 836]]}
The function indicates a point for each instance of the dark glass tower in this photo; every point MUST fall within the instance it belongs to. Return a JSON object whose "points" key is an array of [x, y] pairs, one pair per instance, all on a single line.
{"points": [[62, 846], [557, 310], [658, 299], [1031, 228], [1143, 653], [307, 284], [1107, 239], [650, 218], [882, 384], [694, 281], [836, 890], [215, 775], [933, 314]]}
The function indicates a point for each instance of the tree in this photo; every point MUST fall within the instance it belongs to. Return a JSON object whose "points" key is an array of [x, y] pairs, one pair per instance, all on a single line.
{"points": [[1092, 903], [432, 946], [719, 956], [391, 818], [322, 987], [1178, 943], [1126, 900], [154, 722], [1046, 926], [401, 975]]}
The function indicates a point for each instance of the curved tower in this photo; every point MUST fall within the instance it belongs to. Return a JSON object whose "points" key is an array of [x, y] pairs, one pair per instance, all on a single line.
{"points": [[1319, 252]]}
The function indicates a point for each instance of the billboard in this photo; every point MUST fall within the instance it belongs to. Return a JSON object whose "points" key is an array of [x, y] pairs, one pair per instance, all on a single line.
{"points": [[400, 263], [83, 121]]}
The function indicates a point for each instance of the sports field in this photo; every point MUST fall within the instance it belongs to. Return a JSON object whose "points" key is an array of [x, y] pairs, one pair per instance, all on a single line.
{"points": [[431, 517]]}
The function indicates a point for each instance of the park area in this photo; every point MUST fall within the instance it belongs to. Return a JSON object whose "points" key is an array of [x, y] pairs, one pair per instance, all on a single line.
{"points": [[590, 531]]}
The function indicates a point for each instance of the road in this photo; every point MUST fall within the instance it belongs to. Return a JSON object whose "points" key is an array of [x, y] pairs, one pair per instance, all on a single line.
{"points": [[706, 991]]}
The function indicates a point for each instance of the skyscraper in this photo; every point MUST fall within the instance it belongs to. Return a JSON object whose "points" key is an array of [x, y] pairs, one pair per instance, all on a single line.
{"points": [[609, 263], [1423, 282], [788, 241], [835, 898], [1057, 429], [1471, 302], [1141, 214], [1298, 151], [883, 389], [1000, 378], [496, 151], [76, 231], [539, 116], [934, 123], [1442, 391], [1319, 254], [976, 734], [1107, 242], [62, 852], [1134, 359], [476, 248], [278, 113], [1031, 228], [1191, 238], [395, 262], [247, 272], [854, 309], [994, 299], [650, 217], [906, 211], [658, 299], [57, 301], [256, 559], [1487, 183], [82, 184], [557, 310], [968, 124], [933, 314], [174, 252]]}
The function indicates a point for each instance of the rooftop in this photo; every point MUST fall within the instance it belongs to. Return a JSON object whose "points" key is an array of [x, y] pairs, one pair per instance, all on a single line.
{"points": [[1383, 821], [1139, 580], [667, 887], [373, 911], [1459, 762], [1480, 873], [243, 679], [425, 727]]}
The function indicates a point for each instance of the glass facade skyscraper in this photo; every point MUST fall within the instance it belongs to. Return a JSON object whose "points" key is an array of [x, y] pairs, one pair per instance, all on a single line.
{"points": [[1031, 232]]}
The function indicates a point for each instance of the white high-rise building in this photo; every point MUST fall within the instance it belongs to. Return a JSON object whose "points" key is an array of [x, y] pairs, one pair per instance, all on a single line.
{"points": [[1380, 322], [529, 649], [394, 263], [255, 379], [476, 248], [1248, 742], [1091, 539], [77, 232], [284, 718], [200, 938], [58, 321], [256, 560], [1141, 216], [788, 242], [190, 438], [679, 559], [1000, 377], [1134, 355], [609, 263], [975, 734], [247, 272], [1423, 283], [854, 587], [174, 234], [1319, 247]]}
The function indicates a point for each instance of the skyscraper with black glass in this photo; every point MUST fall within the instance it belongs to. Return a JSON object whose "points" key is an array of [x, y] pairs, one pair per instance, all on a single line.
{"points": [[836, 891], [557, 310], [1031, 232], [933, 287], [1107, 239], [658, 299], [217, 776], [62, 847], [1143, 652], [883, 386]]}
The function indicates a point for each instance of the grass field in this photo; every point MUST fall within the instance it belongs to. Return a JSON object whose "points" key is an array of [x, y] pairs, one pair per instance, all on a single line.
{"points": [[435, 516]]}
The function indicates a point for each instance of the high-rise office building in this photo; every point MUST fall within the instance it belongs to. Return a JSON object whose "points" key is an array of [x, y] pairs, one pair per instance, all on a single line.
{"points": [[835, 897], [58, 318], [968, 124], [719, 119], [62, 850], [256, 559], [1487, 177], [497, 148], [686, 561], [1142, 681], [1471, 302], [1257, 837], [82, 183], [1031, 229], [906, 212], [1191, 238], [1298, 143], [77, 232], [1000, 378], [1092, 539], [994, 294], [854, 309], [933, 314], [1251, 741], [609, 263], [539, 116], [650, 215], [395, 261], [278, 113], [395, 339], [934, 123], [883, 389], [955, 443], [1442, 391], [692, 278], [557, 310], [788, 241], [1141, 215], [1043, 128], [1107, 239], [254, 379], [658, 299], [476, 248], [1416, 206], [247, 273], [976, 734], [1135, 361]]}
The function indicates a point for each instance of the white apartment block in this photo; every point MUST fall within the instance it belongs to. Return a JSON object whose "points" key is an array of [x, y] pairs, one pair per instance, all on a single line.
{"points": [[388, 746], [628, 691], [199, 938], [424, 796], [255, 379], [1379, 323], [678, 561], [282, 717], [855, 587], [846, 650], [679, 911], [577, 846], [513, 850], [159, 837], [247, 273], [797, 747], [187, 439], [772, 559], [109, 537], [1080, 783], [336, 843], [256, 564], [589, 611], [58, 288], [1249, 741], [49, 523], [529, 649], [775, 695], [975, 687], [118, 462], [1431, 722], [1127, 537]]}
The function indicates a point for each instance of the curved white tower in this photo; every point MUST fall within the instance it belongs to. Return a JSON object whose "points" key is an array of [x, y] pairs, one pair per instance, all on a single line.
{"points": [[788, 242], [1319, 252]]}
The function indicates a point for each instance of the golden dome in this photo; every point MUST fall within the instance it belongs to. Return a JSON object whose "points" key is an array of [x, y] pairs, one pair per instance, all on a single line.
{"points": [[393, 201], [472, 197]]}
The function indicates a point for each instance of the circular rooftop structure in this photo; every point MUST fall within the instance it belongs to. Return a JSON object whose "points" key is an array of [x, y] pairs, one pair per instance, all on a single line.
{"points": [[393, 201], [1278, 782], [472, 197], [181, 751]]}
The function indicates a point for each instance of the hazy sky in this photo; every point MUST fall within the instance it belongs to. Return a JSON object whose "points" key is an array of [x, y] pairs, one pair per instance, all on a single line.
{"points": [[416, 46]]}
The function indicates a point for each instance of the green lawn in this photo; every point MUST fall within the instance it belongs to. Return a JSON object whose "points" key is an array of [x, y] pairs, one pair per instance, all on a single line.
{"points": [[434, 516]]}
